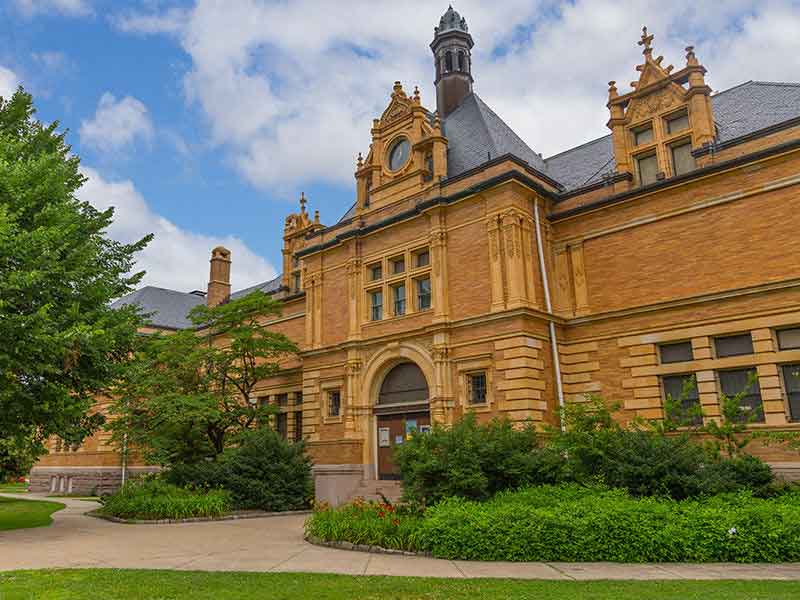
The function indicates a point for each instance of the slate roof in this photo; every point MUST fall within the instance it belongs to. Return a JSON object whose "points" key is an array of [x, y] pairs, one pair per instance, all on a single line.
{"points": [[168, 307], [267, 287], [738, 111], [475, 135]]}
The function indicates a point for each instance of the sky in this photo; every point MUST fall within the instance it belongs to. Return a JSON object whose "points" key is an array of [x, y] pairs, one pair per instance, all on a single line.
{"points": [[203, 121]]}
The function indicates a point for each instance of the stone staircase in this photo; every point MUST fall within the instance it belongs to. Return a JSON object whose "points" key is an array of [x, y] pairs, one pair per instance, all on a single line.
{"points": [[371, 490]]}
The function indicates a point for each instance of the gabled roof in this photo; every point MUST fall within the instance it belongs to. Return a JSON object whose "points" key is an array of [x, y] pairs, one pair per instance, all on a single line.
{"points": [[738, 111], [475, 135], [273, 285], [168, 307]]}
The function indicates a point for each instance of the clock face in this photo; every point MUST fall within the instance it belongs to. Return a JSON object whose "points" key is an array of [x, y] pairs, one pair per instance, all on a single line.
{"points": [[398, 155]]}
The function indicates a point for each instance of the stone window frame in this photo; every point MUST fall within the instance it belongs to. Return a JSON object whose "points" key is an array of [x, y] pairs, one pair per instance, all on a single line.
{"points": [[327, 387], [756, 387], [662, 142], [469, 366], [389, 280]]}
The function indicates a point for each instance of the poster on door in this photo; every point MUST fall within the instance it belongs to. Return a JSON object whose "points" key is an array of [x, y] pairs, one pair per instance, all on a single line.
{"points": [[383, 437], [411, 427]]}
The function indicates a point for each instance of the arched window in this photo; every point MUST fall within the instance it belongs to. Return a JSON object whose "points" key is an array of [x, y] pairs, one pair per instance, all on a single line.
{"points": [[461, 65], [448, 61], [404, 384]]}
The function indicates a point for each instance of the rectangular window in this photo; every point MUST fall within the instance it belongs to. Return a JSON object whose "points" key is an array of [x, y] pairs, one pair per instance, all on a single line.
{"points": [[643, 136], [789, 339], [733, 345], [735, 382], [376, 272], [423, 293], [791, 379], [398, 265], [647, 166], [295, 262], [477, 388], [672, 353], [296, 282], [298, 398], [682, 159], [376, 305], [282, 399], [676, 124], [674, 388], [334, 403], [298, 425], [399, 293], [281, 423], [423, 258]]}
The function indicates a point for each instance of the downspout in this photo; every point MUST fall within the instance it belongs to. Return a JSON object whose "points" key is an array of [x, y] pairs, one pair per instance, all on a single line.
{"points": [[124, 457], [549, 308]]}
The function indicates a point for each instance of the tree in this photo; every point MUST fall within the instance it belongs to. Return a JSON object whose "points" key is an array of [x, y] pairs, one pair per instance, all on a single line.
{"points": [[59, 271], [187, 395]]}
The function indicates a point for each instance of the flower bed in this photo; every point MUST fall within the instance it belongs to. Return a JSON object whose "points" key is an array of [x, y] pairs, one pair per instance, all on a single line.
{"points": [[154, 500], [573, 523]]}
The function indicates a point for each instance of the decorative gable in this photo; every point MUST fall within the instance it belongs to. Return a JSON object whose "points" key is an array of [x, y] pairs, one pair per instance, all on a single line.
{"points": [[656, 126], [408, 152]]}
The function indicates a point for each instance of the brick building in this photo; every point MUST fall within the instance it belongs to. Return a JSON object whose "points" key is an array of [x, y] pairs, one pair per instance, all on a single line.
{"points": [[474, 275]]}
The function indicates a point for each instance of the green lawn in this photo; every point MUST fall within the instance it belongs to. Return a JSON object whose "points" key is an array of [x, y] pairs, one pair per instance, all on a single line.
{"points": [[20, 514], [109, 584], [13, 488]]}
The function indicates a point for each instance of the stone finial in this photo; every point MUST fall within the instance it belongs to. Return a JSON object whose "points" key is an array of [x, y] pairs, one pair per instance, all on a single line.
{"points": [[646, 41], [397, 88], [359, 161], [303, 203], [316, 217], [416, 94], [691, 58], [612, 89]]}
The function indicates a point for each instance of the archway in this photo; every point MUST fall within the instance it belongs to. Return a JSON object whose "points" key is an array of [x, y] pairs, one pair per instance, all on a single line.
{"points": [[402, 407]]}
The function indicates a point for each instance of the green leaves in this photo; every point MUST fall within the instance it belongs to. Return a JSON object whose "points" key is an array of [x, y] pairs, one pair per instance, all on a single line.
{"points": [[59, 271]]}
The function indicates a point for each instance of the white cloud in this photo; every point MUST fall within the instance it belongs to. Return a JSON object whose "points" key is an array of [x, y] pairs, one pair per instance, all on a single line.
{"points": [[8, 82], [76, 8], [176, 258], [290, 88], [117, 123]]}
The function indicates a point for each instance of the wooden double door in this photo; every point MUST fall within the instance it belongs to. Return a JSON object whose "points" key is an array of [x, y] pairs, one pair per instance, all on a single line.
{"points": [[394, 430]]}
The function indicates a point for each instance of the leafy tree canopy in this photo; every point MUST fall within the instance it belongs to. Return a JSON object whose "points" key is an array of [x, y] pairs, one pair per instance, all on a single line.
{"points": [[189, 394], [59, 271]]}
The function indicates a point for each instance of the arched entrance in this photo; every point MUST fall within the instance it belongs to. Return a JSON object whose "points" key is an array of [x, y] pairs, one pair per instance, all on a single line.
{"points": [[402, 406]]}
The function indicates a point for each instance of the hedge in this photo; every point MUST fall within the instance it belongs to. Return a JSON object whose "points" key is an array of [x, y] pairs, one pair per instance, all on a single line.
{"points": [[153, 499]]}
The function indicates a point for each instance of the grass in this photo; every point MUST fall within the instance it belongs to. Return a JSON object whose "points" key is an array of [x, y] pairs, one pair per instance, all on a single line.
{"points": [[139, 584], [13, 488], [21, 514]]}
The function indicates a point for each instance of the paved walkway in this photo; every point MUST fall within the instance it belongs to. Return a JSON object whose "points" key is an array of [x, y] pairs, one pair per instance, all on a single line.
{"points": [[276, 544]]}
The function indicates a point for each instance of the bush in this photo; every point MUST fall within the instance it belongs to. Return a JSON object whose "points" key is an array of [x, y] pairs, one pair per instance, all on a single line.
{"points": [[154, 499], [742, 472], [473, 461], [370, 523], [581, 524], [264, 472]]}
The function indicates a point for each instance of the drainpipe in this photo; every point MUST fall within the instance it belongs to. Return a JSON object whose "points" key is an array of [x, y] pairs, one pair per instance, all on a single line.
{"points": [[549, 307], [124, 456]]}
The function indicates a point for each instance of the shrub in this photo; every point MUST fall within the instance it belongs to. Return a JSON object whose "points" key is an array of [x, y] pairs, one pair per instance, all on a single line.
{"points": [[154, 499], [473, 461], [370, 523], [582, 524], [201, 475], [731, 475]]}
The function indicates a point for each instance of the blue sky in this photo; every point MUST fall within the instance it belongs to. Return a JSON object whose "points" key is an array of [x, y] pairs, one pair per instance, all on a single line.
{"points": [[202, 121]]}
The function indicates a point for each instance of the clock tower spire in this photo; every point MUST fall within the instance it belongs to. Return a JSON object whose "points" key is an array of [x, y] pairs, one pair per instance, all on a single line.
{"points": [[451, 47]]}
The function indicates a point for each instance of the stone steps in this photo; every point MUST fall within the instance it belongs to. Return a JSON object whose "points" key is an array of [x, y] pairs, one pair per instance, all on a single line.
{"points": [[372, 489]]}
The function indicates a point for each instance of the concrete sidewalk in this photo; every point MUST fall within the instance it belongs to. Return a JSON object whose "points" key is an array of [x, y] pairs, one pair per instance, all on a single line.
{"points": [[276, 544]]}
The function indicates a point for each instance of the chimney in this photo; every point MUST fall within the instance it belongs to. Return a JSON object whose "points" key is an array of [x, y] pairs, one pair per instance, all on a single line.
{"points": [[219, 279]]}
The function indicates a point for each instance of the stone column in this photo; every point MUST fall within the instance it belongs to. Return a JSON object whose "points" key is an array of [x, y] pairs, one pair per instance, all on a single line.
{"points": [[495, 263]]}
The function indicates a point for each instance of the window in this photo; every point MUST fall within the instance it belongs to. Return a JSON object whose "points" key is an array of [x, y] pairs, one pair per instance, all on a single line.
{"points": [[733, 345], [281, 424], [789, 339], [461, 61], [398, 265], [643, 136], [423, 293], [682, 159], [398, 155], [296, 282], [791, 380], [298, 398], [376, 305], [399, 293], [295, 262], [448, 61], [282, 399], [674, 387], [376, 271], [298, 426], [672, 353], [736, 382], [677, 123], [647, 167], [477, 388], [423, 258], [334, 403]]}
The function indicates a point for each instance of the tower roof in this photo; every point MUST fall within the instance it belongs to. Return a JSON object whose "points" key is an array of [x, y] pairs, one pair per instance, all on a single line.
{"points": [[451, 20]]}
